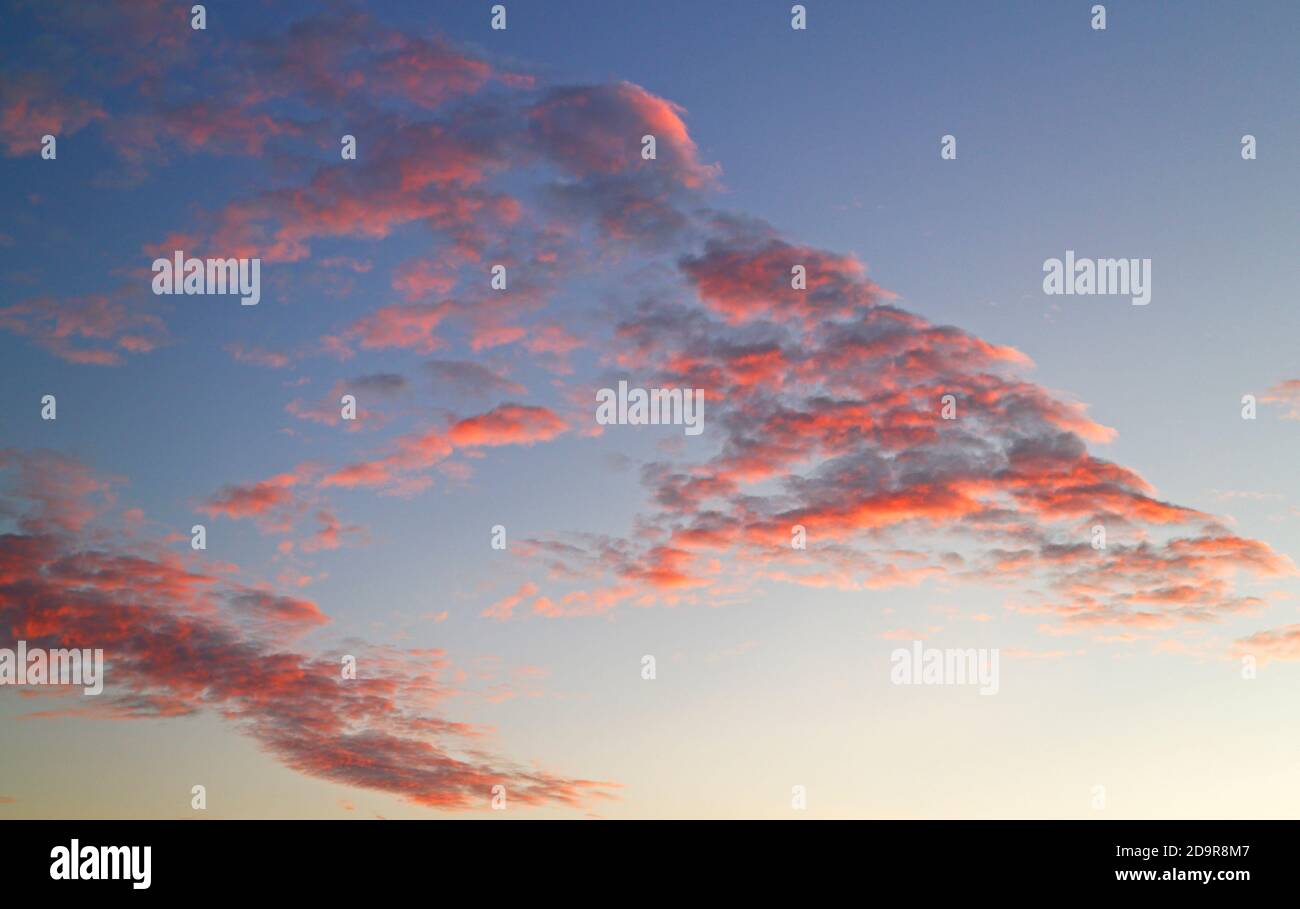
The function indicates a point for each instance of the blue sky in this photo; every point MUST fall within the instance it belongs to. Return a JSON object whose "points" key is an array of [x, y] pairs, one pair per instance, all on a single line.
{"points": [[1117, 143]]}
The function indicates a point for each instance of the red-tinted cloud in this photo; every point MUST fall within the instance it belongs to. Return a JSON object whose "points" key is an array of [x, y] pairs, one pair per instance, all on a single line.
{"points": [[599, 129], [98, 330], [1277, 644], [31, 107], [1287, 394], [263, 500], [180, 640], [507, 424]]}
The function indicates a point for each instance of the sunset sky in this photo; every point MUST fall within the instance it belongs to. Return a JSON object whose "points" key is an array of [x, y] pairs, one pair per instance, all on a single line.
{"points": [[1120, 668]]}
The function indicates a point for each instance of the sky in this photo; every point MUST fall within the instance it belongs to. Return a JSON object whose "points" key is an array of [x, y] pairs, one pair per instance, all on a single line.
{"points": [[1150, 677]]}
